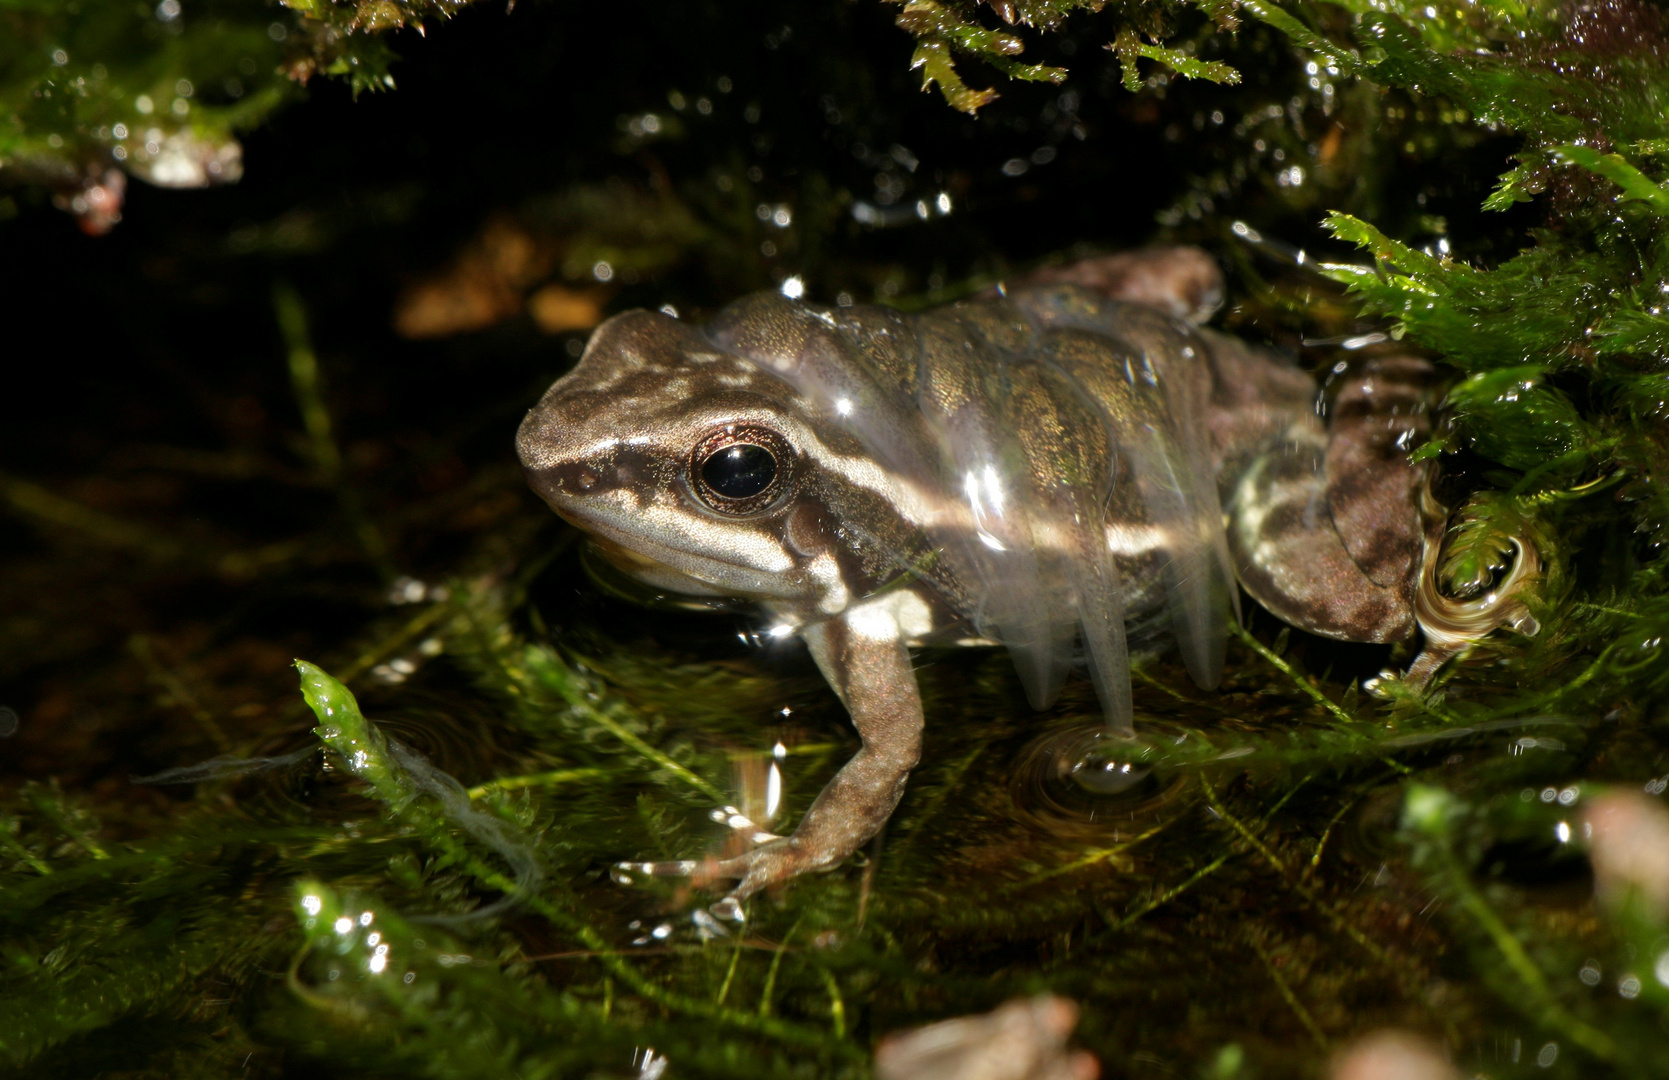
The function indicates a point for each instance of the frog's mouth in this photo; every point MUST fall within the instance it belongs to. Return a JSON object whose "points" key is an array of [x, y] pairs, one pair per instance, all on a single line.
{"points": [[641, 567], [683, 568]]}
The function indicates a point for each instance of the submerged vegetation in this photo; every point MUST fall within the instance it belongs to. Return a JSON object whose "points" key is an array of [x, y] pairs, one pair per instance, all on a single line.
{"points": [[298, 443]]}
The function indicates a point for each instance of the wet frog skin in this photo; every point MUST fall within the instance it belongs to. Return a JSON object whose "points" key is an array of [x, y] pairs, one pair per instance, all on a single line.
{"points": [[1058, 467]]}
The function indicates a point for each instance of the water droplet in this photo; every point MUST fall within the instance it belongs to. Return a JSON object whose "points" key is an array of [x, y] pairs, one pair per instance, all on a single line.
{"points": [[1104, 772], [1081, 782]]}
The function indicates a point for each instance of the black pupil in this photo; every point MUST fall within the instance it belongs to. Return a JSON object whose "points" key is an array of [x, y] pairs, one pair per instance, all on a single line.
{"points": [[739, 471]]}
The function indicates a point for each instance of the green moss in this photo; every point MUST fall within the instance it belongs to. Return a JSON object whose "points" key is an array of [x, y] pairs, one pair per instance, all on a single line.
{"points": [[163, 90]]}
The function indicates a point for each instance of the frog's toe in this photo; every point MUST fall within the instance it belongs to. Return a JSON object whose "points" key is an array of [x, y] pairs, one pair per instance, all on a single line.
{"points": [[730, 909], [754, 870], [1451, 623], [764, 860], [630, 873], [764, 866], [743, 826]]}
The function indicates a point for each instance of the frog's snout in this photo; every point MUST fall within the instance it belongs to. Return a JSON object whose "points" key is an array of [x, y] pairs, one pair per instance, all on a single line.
{"points": [[568, 482], [558, 466]]}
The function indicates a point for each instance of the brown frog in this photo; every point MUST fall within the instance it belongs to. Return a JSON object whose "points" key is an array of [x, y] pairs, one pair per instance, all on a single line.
{"points": [[1053, 467]]}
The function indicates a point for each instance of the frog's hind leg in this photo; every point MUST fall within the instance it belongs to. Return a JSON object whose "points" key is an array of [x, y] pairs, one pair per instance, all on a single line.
{"points": [[1326, 528], [1291, 559], [1377, 410], [1183, 281]]}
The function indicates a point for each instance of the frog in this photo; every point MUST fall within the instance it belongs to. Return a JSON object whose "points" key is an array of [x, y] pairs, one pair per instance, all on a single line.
{"points": [[1072, 466]]}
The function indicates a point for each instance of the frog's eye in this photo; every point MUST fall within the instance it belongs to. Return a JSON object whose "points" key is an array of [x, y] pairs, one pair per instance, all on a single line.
{"points": [[740, 470]]}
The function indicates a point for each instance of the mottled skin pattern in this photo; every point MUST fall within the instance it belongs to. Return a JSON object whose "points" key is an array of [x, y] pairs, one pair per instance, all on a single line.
{"points": [[1044, 468]]}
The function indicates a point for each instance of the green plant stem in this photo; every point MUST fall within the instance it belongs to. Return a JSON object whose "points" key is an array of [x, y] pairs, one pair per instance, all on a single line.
{"points": [[1205, 871], [533, 670], [37, 503], [18, 851], [1290, 672], [1155, 903], [1310, 896], [837, 1004], [315, 417], [178, 692], [1287, 993], [771, 972], [1553, 1013], [1088, 859], [554, 778], [51, 812], [730, 973]]}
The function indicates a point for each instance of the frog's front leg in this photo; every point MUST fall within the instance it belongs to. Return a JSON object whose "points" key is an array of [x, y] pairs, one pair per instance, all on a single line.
{"points": [[864, 656]]}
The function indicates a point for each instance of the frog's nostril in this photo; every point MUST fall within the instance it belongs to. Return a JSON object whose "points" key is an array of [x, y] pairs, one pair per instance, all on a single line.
{"points": [[565, 481]]}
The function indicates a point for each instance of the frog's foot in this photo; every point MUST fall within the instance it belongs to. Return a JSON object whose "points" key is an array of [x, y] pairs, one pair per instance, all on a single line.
{"points": [[746, 835], [1181, 281], [769, 864], [772, 861], [1452, 623]]}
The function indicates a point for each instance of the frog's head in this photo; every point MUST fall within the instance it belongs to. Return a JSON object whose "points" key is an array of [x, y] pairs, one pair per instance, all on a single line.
{"points": [[683, 461]]}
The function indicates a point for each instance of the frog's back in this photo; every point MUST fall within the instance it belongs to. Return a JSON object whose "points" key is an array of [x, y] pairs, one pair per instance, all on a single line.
{"points": [[1068, 438]]}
